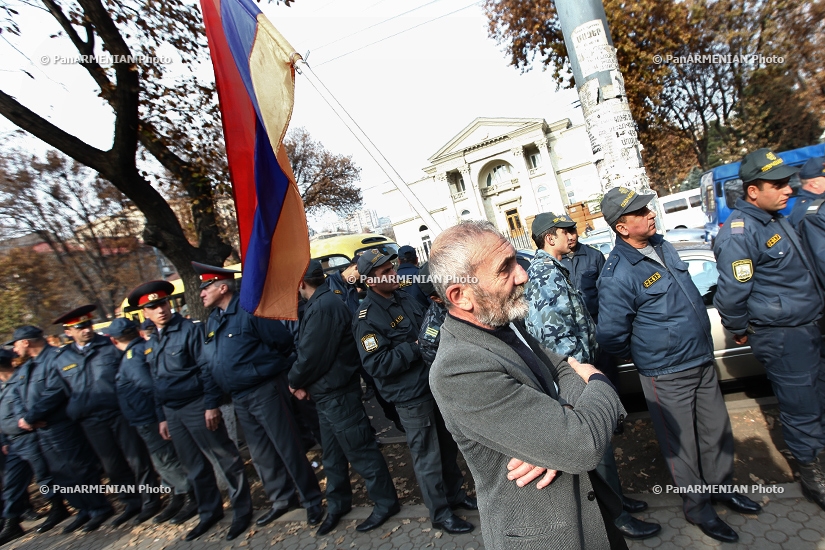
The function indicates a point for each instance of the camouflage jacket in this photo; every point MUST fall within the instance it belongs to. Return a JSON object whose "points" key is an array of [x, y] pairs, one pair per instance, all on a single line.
{"points": [[558, 317], [430, 334]]}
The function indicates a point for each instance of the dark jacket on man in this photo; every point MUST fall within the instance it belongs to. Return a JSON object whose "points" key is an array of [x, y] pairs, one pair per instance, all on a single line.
{"points": [[585, 263], [135, 388]]}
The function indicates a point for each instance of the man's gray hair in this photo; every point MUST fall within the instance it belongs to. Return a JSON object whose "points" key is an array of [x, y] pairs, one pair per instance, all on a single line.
{"points": [[453, 252]]}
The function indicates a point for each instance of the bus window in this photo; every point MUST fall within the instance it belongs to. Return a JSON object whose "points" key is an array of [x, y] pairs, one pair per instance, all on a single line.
{"points": [[695, 201], [733, 191]]}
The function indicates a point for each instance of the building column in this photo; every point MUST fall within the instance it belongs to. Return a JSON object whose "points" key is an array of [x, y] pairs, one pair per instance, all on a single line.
{"points": [[544, 150], [528, 195], [444, 180], [471, 187]]}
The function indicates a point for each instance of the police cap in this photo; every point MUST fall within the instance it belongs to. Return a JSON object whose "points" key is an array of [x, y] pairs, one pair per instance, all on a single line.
{"points": [[26, 332], [150, 294], [6, 355], [371, 259], [77, 318], [814, 168], [314, 270], [120, 326], [620, 200], [408, 253], [548, 220], [763, 164], [209, 273], [147, 324]]}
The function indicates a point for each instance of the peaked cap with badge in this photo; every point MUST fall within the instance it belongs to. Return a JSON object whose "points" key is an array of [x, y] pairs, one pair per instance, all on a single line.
{"points": [[150, 294], [763, 164], [77, 317], [209, 273], [620, 200], [548, 220]]}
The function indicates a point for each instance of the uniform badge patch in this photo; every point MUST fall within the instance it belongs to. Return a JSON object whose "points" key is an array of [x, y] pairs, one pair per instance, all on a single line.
{"points": [[70, 367], [432, 332], [129, 354], [370, 343], [337, 292], [773, 240], [742, 270], [147, 351], [652, 279], [737, 227], [362, 314]]}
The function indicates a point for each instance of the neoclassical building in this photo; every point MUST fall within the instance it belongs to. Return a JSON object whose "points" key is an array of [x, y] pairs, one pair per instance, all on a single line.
{"points": [[505, 170]]}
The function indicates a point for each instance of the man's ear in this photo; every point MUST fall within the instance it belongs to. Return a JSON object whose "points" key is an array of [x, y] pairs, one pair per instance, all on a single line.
{"points": [[460, 296]]}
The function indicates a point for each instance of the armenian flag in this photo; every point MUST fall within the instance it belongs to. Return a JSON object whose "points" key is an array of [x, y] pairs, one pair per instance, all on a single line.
{"points": [[255, 77]]}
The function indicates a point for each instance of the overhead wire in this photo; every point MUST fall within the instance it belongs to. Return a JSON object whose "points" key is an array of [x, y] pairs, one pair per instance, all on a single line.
{"points": [[398, 33], [373, 26]]}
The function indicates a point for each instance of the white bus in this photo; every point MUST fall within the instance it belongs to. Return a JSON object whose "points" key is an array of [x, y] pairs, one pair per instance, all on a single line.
{"points": [[683, 210]]}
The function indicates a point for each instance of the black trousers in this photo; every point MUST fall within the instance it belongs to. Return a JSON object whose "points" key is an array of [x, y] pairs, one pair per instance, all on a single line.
{"points": [[123, 455], [347, 439], [198, 448], [17, 476], [434, 455], [72, 462], [694, 433], [275, 444], [27, 446]]}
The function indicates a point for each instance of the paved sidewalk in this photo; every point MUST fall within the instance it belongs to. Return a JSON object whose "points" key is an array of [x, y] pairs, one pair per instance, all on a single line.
{"points": [[788, 521]]}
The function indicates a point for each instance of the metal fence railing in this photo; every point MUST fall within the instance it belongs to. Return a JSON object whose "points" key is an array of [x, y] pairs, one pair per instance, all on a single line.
{"points": [[521, 241]]}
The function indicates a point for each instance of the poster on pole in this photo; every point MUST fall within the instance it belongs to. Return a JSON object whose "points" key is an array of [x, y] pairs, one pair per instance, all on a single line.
{"points": [[593, 51]]}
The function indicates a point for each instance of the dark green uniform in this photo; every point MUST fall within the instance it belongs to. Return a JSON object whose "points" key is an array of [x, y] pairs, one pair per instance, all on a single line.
{"points": [[386, 330]]}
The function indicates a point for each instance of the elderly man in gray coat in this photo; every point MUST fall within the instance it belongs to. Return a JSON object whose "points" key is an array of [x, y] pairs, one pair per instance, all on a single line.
{"points": [[517, 410]]}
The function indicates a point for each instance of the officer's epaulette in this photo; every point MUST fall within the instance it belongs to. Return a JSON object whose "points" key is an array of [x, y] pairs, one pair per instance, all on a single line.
{"points": [[362, 314], [737, 226], [813, 208], [610, 266], [60, 350]]}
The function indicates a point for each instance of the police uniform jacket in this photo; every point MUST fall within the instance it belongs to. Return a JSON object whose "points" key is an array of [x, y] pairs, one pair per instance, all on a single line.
{"points": [[385, 332], [347, 292], [652, 313], [808, 217], [241, 351], [585, 266], [178, 368], [87, 376], [8, 416], [430, 334], [762, 270], [328, 360], [406, 272], [135, 388], [31, 389]]}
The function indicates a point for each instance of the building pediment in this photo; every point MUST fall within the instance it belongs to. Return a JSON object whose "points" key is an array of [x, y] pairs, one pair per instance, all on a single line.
{"points": [[484, 131]]}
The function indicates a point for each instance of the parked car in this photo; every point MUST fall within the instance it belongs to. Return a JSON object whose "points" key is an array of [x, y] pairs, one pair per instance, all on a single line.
{"points": [[600, 239], [694, 235], [733, 362]]}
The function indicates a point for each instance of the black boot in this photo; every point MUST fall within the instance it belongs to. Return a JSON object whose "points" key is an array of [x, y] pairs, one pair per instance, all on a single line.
{"points": [[172, 507], [11, 531], [189, 509], [57, 514], [813, 482]]}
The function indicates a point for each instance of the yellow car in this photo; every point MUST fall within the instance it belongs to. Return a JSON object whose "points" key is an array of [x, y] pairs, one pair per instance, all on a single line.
{"points": [[336, 251]]}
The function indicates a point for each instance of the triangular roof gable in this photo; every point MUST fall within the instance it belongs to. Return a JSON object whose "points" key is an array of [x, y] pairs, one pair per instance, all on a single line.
{"points": [[483, 129]]}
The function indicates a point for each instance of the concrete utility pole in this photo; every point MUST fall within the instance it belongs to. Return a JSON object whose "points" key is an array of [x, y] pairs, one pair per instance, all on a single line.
{"points": [[610, 125]]}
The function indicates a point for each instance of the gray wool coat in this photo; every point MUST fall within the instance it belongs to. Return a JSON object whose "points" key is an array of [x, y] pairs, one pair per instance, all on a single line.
{"points": [[496, 410]]}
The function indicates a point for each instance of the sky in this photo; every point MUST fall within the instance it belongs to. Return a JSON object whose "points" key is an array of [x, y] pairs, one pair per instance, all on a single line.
{"points": [[411, 74]]}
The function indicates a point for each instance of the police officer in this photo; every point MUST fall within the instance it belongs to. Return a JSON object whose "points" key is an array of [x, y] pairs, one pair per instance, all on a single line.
{"points": [[558, 318], [650, 310], [584, 263], [87, 369], [188, 400], [136, 396], [327, 370], [249, 358], [430, 334], [386, 332], [17, 474], [344, 284], [808, 216], [768, 297], [70, 459], [408, 273]]}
